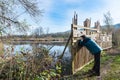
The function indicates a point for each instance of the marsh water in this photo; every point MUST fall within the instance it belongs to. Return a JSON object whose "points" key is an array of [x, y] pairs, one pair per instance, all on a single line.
{"points": [[16, 48]]}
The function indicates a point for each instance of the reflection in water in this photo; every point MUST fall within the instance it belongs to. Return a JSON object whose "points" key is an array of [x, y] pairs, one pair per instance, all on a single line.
{"points": [[33, 48]]}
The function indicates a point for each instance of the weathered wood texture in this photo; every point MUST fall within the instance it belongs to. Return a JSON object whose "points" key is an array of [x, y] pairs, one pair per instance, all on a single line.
{"points": [[81, 57], [1, 48]]}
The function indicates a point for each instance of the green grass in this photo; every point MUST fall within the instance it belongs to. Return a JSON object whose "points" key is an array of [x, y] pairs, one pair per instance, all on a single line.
{"points": [[112, 74], [105, 58]]}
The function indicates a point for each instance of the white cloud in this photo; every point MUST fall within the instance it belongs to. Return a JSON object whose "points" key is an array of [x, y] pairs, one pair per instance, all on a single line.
{"points": [[109, 5], [74, 1], [46, 5], [114, 8], [82, 16]]}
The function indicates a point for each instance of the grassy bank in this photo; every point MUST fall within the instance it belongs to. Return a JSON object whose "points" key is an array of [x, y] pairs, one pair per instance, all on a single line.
{"points": [[38, 67]]}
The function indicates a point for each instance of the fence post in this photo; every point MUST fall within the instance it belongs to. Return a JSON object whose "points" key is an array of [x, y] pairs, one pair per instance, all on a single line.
{"points": [[87, 24], [73, 39], [1, 48], [98, 38]]}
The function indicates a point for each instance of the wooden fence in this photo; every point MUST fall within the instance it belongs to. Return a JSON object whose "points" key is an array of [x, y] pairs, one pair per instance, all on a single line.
{"points": [[81, 57]]}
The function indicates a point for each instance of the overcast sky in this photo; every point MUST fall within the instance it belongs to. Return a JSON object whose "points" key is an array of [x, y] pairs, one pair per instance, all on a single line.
{"points": [[58, 13]]}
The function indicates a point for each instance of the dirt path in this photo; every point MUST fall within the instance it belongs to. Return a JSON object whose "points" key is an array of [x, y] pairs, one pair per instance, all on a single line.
{"points": [[106, 67]]}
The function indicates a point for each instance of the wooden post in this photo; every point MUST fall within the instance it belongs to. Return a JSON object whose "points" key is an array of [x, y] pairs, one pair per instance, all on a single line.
{"points": [[73, 39], [87, 23], [1, 48]]}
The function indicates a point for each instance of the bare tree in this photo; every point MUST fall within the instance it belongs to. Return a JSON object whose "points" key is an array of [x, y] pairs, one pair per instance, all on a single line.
{"points": [[110, 29], [108, 20], [38, 31], [11, 10]]}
